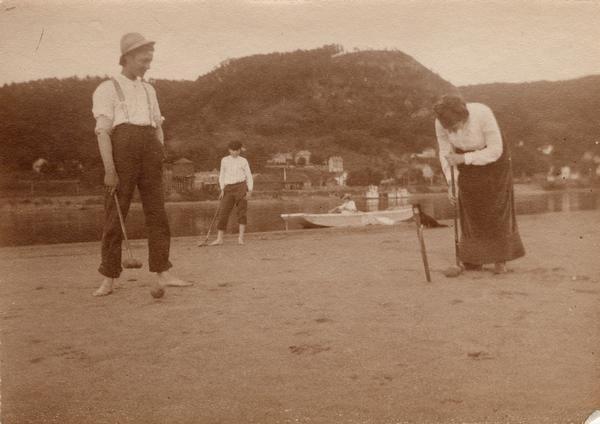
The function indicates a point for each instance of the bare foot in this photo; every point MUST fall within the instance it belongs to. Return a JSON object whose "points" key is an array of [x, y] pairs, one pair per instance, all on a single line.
{"points": [[165, 279], [106, 288], [500, 268], [241, 242], [217, 242]]}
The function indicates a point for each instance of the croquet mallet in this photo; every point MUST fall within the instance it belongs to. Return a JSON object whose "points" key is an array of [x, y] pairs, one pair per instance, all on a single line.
{"points": [[129, 262], [212, 222], [455, 270]]}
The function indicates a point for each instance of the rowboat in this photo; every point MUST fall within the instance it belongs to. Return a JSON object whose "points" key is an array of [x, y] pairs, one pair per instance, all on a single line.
{"points": [[355, 219]]}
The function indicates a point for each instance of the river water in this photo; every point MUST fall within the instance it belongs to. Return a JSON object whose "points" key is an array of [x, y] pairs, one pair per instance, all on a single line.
{"points": [[70, 224]]}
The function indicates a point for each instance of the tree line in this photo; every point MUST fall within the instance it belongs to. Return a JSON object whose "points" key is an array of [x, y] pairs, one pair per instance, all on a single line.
{"points": [[371, 106]]}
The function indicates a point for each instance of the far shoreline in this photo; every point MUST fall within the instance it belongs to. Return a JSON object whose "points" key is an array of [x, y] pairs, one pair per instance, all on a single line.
{"points": [[84, 202]]}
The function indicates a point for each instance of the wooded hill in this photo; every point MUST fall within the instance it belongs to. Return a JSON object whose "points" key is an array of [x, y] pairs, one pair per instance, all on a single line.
{"points": [[368, 106], [362, 105], [563, 114]]}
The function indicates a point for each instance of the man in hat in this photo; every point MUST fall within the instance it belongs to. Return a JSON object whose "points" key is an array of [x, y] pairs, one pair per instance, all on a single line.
{"points": [[130, 138]]}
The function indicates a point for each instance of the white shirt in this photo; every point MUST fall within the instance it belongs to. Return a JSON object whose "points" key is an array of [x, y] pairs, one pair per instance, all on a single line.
{"points": [[135, 110], [348, 207], [235, 170], [480, 133]]}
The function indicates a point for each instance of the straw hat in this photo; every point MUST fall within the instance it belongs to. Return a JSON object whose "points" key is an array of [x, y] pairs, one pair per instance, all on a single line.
{"points": [[132, 41]]}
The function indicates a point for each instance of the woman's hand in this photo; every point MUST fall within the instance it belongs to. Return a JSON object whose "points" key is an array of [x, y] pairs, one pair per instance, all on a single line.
{"points": [[455, 159], [452, 197]]}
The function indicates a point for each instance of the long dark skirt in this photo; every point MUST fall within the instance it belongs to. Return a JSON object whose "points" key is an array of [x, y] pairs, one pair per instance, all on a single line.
{"points": [[488, 223]]}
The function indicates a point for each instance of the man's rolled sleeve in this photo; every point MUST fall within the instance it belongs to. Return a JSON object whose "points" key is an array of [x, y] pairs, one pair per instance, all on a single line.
{"points": [[103, 107], [103, 125]]}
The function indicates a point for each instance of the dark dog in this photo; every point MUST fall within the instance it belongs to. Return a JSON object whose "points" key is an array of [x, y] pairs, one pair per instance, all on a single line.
{"points": [[428, 221]]}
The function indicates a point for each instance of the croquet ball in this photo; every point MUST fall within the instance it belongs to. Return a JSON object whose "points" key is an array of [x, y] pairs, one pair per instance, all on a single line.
{"points": [[157, 293]]}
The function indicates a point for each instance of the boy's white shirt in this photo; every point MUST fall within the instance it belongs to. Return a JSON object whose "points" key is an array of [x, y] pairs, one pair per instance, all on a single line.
{"points": [[234, 171]]}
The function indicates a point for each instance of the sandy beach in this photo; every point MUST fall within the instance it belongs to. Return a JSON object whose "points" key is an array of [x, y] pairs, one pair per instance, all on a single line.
{"points": [[319, 326]]}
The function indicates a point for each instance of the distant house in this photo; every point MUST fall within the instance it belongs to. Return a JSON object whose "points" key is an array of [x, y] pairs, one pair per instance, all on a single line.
{"points": [[295, 180], [39, 164], [335, 164], [180, 175], [547, 149], [182, 168], [268, 182], [587, 156], [303, 156], [206, 179], [281, 159], [428, 173], [316, 175], [290, 179], [334, 179], [341, 178]]}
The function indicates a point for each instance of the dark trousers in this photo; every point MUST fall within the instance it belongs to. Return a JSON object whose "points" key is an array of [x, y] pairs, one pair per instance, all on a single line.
{"points": [[233, 195], [138, 157]]}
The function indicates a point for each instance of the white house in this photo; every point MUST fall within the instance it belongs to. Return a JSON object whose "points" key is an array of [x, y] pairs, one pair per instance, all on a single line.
{"points": [[341, 178], [302, 154], [335, 164], [206, 178], [281, 158]]}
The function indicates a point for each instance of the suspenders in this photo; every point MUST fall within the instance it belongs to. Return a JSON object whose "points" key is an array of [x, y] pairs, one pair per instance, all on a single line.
{"points": [[121, 97]]}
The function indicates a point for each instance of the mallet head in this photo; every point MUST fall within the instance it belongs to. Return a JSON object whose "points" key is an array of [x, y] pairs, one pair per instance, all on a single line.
{"points": [[453, 271], [157, 293], [131, 263]]}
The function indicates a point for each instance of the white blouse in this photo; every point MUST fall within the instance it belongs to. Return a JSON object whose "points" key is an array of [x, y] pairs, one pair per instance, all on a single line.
{"points": [[479, 135]]}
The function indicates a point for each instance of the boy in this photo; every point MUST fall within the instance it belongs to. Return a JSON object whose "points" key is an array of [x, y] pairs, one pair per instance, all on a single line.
{"points": [[235, 181]]}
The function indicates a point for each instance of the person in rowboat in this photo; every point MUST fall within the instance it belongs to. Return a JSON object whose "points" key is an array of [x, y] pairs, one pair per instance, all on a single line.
{"points": [[348, 205]]}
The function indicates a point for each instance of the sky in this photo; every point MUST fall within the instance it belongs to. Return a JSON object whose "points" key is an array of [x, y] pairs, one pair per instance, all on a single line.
{"points": [[465, 42]]}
